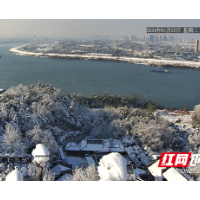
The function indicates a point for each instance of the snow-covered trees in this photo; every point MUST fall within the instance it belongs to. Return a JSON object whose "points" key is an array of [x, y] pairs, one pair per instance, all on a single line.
{"points": [[194, 141], [34, 172], [45, 137], [113, 167], [196, 117], [13, 140], [88, 173], [48, 175], [43, 114], [5, 170]]}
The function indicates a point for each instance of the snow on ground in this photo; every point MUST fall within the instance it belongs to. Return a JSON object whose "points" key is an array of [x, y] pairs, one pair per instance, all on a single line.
{"points": [[144, 61], [112, 167], [181, 119], [76, 161]]}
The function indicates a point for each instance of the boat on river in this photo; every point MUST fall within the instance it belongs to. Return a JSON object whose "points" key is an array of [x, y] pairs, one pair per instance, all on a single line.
{"points": [[160, 71]]}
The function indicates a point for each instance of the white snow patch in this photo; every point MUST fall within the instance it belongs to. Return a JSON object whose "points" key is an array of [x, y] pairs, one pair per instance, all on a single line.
{"points": [[113, 167], [41, 154], [172, 175], [156, 171], [15, 175]]}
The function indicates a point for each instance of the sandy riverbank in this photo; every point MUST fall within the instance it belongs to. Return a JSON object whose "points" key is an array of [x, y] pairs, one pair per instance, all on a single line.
{"points": [[104, 57]]}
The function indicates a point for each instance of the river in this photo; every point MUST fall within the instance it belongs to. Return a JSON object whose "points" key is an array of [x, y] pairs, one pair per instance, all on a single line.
{"points": [[177, 89]]}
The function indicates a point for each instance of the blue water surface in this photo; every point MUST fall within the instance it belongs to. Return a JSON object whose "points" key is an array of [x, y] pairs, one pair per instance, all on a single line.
{"points": [[179, 88]]}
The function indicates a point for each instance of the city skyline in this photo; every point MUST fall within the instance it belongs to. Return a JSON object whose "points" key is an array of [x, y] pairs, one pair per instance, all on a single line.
{"points": [[81, 28]]}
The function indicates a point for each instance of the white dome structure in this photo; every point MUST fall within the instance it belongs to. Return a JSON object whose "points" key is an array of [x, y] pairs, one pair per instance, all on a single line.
{"points": [[41, 155], [15, 175]]}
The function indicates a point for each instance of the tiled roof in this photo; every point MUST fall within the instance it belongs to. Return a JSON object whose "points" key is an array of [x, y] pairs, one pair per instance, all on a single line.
{"points": [[104, 146]]}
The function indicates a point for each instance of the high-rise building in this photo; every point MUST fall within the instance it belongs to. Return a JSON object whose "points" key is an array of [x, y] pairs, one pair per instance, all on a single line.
{"points": [[169, 38], [130, 37], [152, 38], [164, 38], [146, 39], [160, 38], [197, 46], [193, 40]]}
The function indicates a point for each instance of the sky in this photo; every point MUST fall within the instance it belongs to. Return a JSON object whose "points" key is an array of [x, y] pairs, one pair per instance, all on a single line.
{"points": [[76, 28]]}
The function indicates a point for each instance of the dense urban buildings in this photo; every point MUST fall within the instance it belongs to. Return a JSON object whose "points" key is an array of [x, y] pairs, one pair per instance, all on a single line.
{"points": [[132, 37], [160, 38]]}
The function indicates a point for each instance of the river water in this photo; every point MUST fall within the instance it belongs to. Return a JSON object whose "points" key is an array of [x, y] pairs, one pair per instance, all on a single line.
{"points": [[179, 88]]}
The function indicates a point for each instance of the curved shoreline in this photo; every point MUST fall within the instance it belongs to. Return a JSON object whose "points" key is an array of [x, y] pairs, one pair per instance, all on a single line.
{"points": [[103, 57]]}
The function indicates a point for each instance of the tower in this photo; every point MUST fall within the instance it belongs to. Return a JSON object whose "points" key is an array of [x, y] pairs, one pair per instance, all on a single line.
{"points": [[197, 47]]}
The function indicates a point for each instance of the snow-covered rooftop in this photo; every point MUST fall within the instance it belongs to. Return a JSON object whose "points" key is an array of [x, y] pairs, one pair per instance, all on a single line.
{"points": [[105, 145], [61, 153], [90, 160], [138, 172], [64, 177], [60, 169], [156, 171], [172, 174]]}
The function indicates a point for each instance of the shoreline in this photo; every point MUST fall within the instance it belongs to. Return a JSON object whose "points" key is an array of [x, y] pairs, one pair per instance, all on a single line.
{"points": [[106, 57]]}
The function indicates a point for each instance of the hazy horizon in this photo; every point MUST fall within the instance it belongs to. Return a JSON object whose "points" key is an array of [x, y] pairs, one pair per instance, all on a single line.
{"points": [[77, 28]]}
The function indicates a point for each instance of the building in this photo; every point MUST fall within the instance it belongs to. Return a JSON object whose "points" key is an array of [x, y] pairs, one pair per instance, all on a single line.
{"points": [[170, 38], [152, 38], [60, 170], [132, 37], [96, 145], [166, 174], [171, 174], [164, 38], [145, 39], [160, 38], [2, 90], [65, 177], [197, 47]]}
